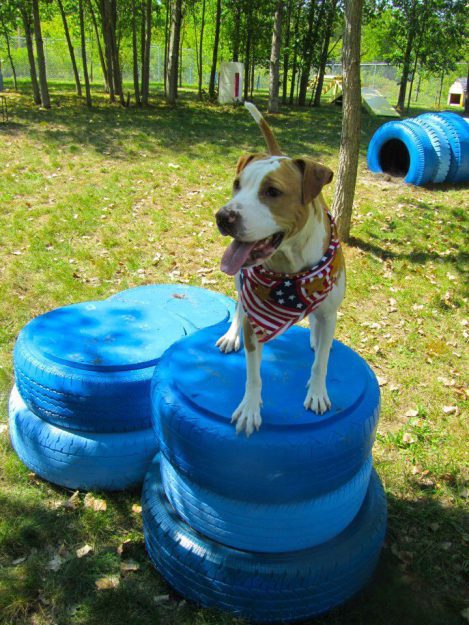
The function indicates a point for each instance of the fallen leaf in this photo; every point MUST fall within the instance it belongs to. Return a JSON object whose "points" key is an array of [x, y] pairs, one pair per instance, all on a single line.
{"points": [[18, 561], [129, 566], [107, 583], [3, 428], [83, 551], [381, 381], [411, 413], [161, 599], [464, 493], [74, 500], [98, 505], [55, 563], [450, 409], [137, 508], [408, 438]]}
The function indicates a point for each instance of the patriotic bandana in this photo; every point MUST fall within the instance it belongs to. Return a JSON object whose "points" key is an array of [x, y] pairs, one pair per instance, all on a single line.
{"points": [[275, 301]]}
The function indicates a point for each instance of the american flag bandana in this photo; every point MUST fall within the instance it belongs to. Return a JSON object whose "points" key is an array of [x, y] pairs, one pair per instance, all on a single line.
{"points": [[275, 301]]}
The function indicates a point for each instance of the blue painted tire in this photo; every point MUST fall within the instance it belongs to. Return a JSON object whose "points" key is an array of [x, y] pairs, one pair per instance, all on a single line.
{"points": [[264, 588], [197, 307], [263, 527], [78, 460], [438, 137], [196, 389], [457, 132], [88, 366], [403, 148]]}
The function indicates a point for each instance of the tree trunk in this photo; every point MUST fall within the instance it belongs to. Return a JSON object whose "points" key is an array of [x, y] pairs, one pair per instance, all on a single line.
{"points": [[70, 47], [351, 120], [117, 76], [247, 55], [274, 73], [236, 32], [146, 57], [166, 47], [286, 56], [307, 55], [253, 70], [83, 53], [201, 43], [406, 64], [324, 53], [466, 103], [100, 48], [32, 62], [173, 52], [295, 55], [181, 38], [138, 101], [211, 87], [106, 27], [41, 59], [10, 58]]}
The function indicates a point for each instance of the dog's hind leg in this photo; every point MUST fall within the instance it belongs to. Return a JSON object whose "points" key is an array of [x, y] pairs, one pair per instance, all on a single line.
{"points": [[323, 327]]}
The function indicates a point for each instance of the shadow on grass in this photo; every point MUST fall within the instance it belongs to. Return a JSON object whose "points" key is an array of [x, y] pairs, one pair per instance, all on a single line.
{"points": [[423, 587]]}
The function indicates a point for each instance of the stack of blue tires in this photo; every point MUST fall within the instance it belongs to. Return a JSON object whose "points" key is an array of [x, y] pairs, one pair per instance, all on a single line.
{"points": [[281, 526], [430, 148], [80, 411]]}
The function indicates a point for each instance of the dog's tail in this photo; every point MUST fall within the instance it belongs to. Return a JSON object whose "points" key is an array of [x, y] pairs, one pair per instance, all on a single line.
{"points": [[271, 141]]}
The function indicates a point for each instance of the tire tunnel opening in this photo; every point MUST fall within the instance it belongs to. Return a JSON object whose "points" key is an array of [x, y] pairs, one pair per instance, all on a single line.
{"points": [[394, 158]]}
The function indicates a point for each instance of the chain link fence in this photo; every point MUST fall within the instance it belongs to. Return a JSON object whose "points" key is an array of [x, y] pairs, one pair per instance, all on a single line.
{"points": [[378, 75]]}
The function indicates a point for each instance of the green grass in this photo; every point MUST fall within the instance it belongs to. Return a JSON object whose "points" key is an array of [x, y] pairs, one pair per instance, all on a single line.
{"points": [[93, 202]]}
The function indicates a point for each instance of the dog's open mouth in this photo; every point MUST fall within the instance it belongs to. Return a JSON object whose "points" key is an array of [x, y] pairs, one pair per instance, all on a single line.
{"points": [[243, 254]]}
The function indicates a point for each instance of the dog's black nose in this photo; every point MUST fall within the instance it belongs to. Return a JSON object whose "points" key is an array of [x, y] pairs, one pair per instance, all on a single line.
{"points": [[228, 221]]}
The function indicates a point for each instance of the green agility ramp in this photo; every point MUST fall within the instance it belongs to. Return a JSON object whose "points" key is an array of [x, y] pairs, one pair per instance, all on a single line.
{"points": [[376, 104]]}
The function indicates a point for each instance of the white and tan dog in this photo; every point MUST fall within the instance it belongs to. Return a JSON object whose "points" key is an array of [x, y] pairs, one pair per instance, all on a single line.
{"points": [[287, 264]]}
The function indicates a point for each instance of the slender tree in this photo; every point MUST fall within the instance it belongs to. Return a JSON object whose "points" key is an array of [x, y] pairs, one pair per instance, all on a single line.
{"points": [[147, 18], [201, 46], [41, 59], [274, 67], [70, 46], [286, 54], [100, 47], [329, 26], [351, 118], [26, 15], [4, 30], [211, 87], [173, 52], [135, 54], [83, 52], [295, 54]]}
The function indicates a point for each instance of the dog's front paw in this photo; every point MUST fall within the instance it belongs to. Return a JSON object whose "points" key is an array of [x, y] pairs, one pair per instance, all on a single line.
{"points": [[247, 416], [317, 398], [229, 342]]}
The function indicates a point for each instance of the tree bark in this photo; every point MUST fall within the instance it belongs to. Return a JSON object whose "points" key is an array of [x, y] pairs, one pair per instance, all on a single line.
{"points": [[106, 26], [201, 43], [466, 103], [274, 73], [146, 55], [83, 53], [286, 55], [324, 53], [138, 101], [407, 58], [100, 48], [166, 48], [10, 58], [173, 52], [351, 120], [307, 55], [247, 54], [26, 15], [70, 47], [295, 55], [236, 32], [211, 88], [41, 59]]}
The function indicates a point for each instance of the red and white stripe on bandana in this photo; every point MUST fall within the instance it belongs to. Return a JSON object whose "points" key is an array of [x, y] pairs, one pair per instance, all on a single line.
{"points": [[273, 302]]}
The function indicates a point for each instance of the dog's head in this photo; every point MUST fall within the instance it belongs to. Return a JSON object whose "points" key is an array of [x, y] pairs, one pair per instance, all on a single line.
{"points": [[271, 203]]}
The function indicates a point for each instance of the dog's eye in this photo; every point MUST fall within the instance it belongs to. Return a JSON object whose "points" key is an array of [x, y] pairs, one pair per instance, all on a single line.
{"points": [[236, 185], [272, 192]]}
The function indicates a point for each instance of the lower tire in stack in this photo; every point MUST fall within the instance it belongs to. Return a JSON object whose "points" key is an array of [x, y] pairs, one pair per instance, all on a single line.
{"points": [[80, 411], [280, 526]]}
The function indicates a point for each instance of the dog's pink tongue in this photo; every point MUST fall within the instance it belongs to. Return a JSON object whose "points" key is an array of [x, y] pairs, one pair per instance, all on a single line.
{"points": [[235, 256]]}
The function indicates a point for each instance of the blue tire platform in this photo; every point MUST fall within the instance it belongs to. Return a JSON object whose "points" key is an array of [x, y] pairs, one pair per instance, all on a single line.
{"points": [[89, 366], [77, 460], [296, 454], [264, 588]]}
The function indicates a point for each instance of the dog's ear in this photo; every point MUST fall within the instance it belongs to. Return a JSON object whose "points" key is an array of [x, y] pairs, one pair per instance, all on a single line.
{"points": [[315, 177], [244, 161]]}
